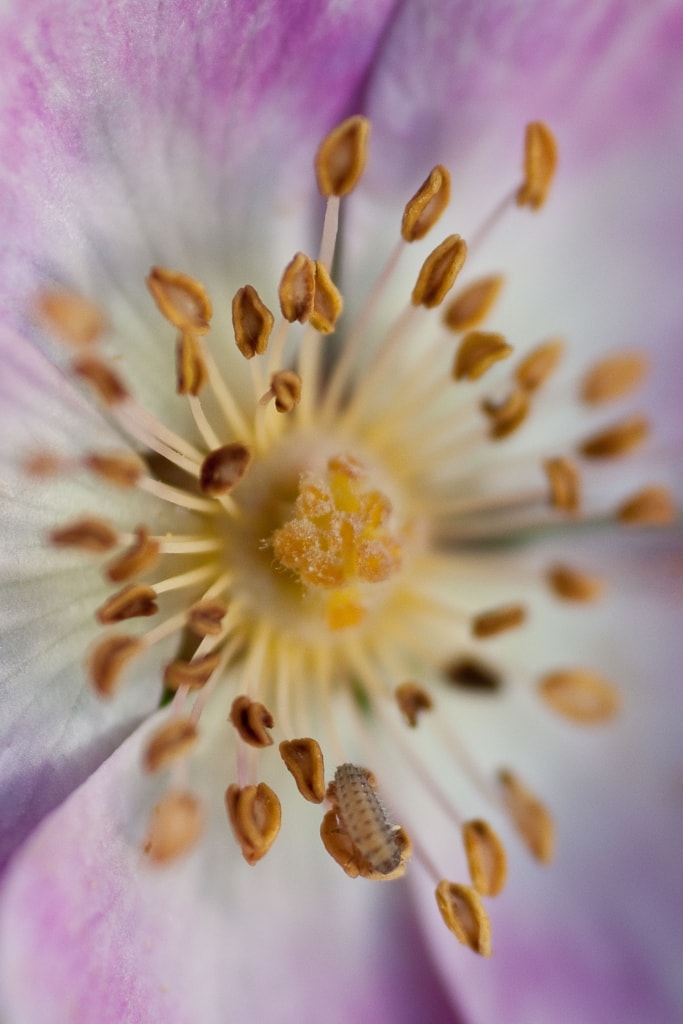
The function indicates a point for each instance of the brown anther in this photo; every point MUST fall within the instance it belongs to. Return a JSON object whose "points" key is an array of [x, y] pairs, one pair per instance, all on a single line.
{"points": [[181, 299], [498, 620], [175, 827], [171, 741], [574, 584], [286, 388], [613, 377], [118, 468], [304, 759], [190, 367], [252, 322], [540, 164], [223, 468], [106, 383], [412, 700], [327, 301], [426, 206], [252, 721], [134, 601], [539, 364], [193, 674], [439, 271], [565, 484], [486, 857], [619, 439], [477, 353], [107, 659], [142, 555], [580, 695], [43, 464], [206, 617], [469, 673], [88, 534], [651, 506], [255, 814], [506, 416], [341, 155], [69, 316], [529, 816], [472, 305], [297, 288], [464, 915]]}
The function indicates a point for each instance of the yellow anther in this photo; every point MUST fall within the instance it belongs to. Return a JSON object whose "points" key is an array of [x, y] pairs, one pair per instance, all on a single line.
{"points": [[426, 206], [540, 164], [104, 381], [327, 301], [580, 695], [297, 288], [574, 584], [498, 620], [506, 416], [191, 373], [252, 322], [613, 377], [565, 484], [170, 742], [619, 439], [304, 759], [118, 468], [181, 299], [176, 824], [539, 364], [285, 386], [341, 156], [72, 318], [206, 617], [472, 305], [651, 506], [530, 817], [193, 674], [439, 271], [464, 915], [478, 352], [255, 815], [485, 857]]}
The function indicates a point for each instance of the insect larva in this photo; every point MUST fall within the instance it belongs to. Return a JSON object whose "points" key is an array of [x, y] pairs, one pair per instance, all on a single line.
{"points": [[365, 819]]}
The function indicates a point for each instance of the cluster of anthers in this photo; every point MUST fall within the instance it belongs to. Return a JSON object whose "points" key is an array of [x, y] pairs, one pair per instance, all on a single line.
{"points": [[323, 517]]}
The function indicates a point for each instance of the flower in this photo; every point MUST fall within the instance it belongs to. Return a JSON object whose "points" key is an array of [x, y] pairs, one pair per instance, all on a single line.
{"points": [[326, 524]]}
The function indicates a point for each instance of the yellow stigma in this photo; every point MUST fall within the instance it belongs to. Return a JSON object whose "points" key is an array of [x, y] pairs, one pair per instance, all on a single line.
{"points": [[340, 539]]}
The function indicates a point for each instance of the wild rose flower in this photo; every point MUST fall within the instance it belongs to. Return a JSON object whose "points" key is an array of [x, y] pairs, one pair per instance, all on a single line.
{"points": [[296, 479]]}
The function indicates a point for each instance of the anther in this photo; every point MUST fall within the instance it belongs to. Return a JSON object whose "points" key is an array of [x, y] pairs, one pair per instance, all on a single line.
{"points": [[565, 484], [255, 815], [619, 439], [464, 915], [613, 377], [529, 816], [223, 468], [285, 387], [472, 305], [134, 601], [651, 506], [107, 660], [498, 620], [478, 352], [191, 372], [539, 364], [72, 318], [340, 159], [171, 741], [252, 322], [102, 379], [303, 758], [506, 416], [180, 299], [297, 288], [412, 700], [469, 673], [43, 464], [426, 206], [252, 721], [193, 674], [174, 829], [141, 556], [88, 534], [439, 271], [486, 857], [580, 695], [206, 617], [327, 301], [118, 468], [540, 164], [574, 584]]}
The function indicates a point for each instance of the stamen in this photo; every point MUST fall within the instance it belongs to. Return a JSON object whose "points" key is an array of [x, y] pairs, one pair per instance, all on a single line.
{"points": [[72, 318], [477, 353], [171, 741], [133, 601], [618, 439], [255, 815], [565, 484], [181, 299], [107, 385], [498, 620], [88, 534], [580, 695], [192, 674], [304, 760], [540, 164], [652, 506], [118, 468], [223, 469], [539, 364], [107, 660], [426, 206], [486, 857], [613, 377], [285, 388], [327, 301], [206, 617], [412, 700], [175, 827], [191, 372], [472, 305], [464, 915], [574, 584], [341, 156], [439, 271], [140, 557], [530, 818], [252, 721], [252, 322], [506, 416], [297, 288], [469, 673]]}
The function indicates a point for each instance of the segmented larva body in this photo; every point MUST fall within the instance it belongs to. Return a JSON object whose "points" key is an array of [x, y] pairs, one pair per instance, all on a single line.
{"points": [[365, 819]]}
